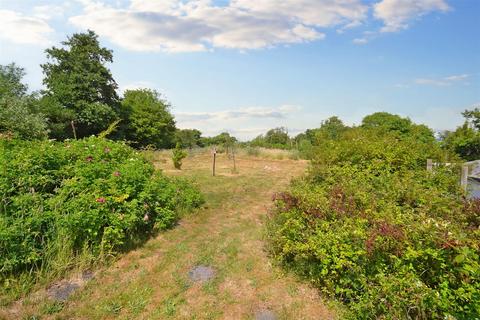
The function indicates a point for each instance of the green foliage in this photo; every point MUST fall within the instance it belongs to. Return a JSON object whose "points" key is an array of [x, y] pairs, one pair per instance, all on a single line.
{"points": [[222, 139], [178, 154], [19, 114], [189, 138], [465, 140], [370, 226], [149, 121], [77, 79], [11, 81], [276, 138], [90, 196], [401, 126], [17, 117]]}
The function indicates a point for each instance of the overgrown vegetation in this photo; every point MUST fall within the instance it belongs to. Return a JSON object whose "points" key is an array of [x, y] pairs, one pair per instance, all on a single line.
{"points": [[370, 226], [61, 202], [178, 154]]}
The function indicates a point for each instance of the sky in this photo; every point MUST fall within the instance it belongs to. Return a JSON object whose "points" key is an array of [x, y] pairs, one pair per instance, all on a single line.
{"points": [[245, 66]]}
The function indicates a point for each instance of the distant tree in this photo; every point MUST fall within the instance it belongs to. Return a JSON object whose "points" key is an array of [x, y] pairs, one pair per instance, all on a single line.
{"points": [[11, 84], [189, 138], [472, 117], [223, 138], [465, 140], [19, 113], [148, 118], [404, 127], [277, 136], [77, 79]]}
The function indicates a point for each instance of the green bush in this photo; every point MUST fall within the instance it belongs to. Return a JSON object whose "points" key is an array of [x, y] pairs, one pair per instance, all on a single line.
{"points": [[370, 226], [90, 196], [178, 154]]}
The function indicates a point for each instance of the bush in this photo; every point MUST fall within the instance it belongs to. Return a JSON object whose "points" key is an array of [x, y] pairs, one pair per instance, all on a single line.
{"points": [[370, 226], [90, 196], [178, 154]]}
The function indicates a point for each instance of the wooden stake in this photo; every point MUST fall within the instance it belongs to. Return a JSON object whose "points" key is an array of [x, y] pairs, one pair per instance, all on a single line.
{"points": [[214, 152], [73, 128]]}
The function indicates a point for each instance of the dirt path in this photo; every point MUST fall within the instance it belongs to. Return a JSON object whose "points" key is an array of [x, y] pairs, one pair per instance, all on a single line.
{"points": [[153, 281]]}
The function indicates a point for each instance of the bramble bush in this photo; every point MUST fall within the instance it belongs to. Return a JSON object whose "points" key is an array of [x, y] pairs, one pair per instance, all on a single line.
{"points": [[371, 227], [90, 196]]}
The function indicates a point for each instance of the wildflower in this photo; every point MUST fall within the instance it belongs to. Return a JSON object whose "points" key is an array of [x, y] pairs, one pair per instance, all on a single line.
{"points": [[101, 200], [89, 159], [117, 174], [107, 150], [146, 217]]}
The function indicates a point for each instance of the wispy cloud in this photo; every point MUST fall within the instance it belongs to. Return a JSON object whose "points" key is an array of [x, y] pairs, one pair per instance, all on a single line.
{"points": [[444, 81], [398, 14]]}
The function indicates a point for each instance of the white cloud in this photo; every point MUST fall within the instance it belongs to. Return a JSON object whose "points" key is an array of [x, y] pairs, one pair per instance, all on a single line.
{"points": [[397, 14], [23, 29], [360, 41], [198, 25], [47, 12], [445, 81]]}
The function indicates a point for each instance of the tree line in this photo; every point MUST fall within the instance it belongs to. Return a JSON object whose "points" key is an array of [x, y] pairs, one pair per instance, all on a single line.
{"points": [[80, 98]]}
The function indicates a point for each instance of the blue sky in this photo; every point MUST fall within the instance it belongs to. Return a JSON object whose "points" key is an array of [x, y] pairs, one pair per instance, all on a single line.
{"points": [[249, 65]]}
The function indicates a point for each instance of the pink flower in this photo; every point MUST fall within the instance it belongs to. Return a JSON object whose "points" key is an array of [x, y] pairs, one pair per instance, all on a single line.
{"points": [[146, 217], [89, 159], [101, 200], [117, 174]]}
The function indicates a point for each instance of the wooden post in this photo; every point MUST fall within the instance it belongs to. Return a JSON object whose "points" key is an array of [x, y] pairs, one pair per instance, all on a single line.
{"points": [[214, 152], [429, 164], [73, 128], [464, 180]]}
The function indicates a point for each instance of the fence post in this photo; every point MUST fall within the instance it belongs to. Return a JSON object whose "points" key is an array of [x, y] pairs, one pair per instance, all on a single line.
{"points": [[214, 152], [429, 164], [464, 180]]}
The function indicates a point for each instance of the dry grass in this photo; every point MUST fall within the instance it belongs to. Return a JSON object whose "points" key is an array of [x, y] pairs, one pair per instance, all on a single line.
{"points": [[152, 282]]}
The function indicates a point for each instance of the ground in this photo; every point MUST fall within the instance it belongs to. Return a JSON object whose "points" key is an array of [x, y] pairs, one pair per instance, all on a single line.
{"points": [[225, 238]]}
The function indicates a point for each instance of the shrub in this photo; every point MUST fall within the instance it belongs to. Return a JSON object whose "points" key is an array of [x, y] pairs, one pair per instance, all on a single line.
{"points": [[178, 154], [90, 196], [370, 226]]}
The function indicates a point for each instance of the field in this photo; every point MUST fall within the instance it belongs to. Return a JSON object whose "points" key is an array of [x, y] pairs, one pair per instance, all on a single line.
{"points": [[227, 234]]}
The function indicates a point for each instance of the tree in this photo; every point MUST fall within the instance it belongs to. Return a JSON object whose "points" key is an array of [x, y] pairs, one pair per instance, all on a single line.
{"points": [[403, 127], [19, 113], [11, 84], [277, 136], [149, 121], [465, 140], [189, 138], [76, 78]]}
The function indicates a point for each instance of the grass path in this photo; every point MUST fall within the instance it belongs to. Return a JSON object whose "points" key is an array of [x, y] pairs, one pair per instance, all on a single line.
{"points": [[152, 282]]}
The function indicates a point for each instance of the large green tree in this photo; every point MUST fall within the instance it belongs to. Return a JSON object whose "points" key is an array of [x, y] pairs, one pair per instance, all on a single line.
{"points": [[148, 118], [76, 78]]}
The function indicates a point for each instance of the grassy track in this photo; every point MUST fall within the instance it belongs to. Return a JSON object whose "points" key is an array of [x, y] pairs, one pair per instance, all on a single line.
{"points": [[152, 282]]}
